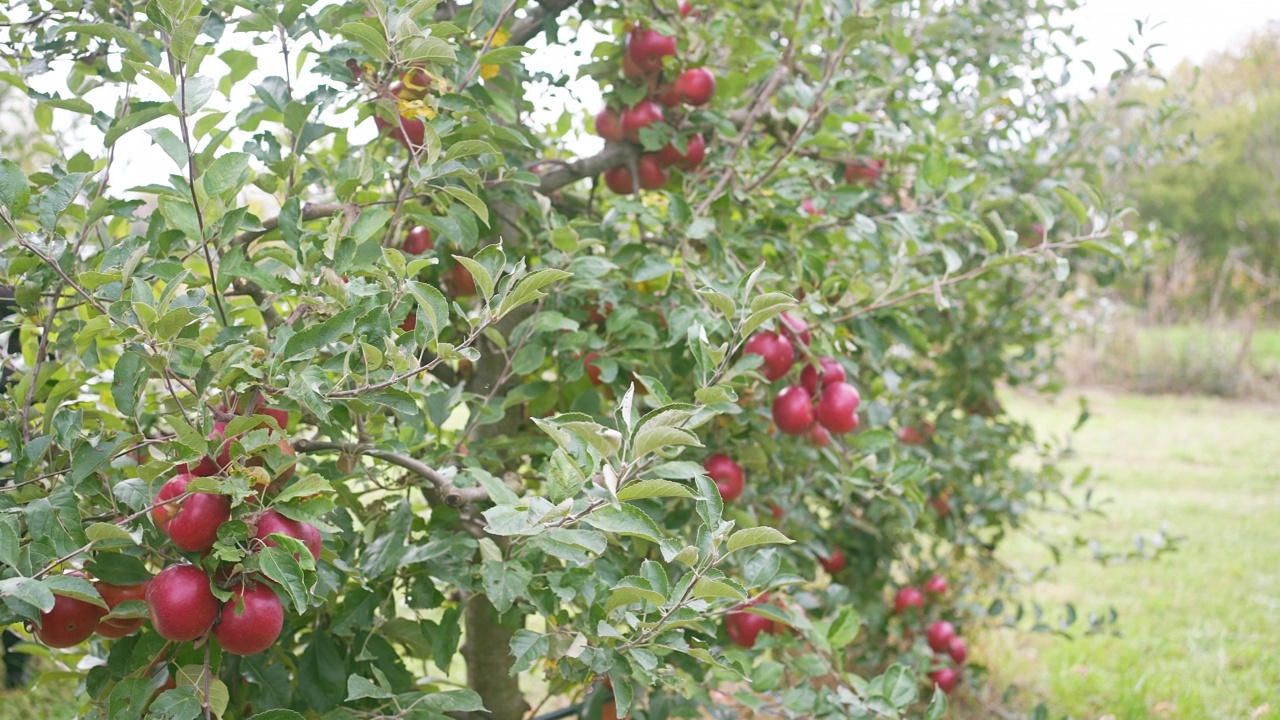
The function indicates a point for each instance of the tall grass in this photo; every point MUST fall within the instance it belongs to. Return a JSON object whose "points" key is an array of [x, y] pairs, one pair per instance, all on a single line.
{"points": [[1226, 360]]}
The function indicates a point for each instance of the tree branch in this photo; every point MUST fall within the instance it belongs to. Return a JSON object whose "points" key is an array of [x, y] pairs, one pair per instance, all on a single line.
{"points": [[526, 28], [613, 155], [451, 495]]}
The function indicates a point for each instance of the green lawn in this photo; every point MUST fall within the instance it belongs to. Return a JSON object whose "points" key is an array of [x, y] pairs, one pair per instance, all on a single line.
{"points": [[1202, 626]]}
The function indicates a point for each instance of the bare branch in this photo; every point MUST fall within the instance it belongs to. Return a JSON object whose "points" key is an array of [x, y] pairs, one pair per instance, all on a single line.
{"points": [[613, 155], [452, 496], [526, 28]]}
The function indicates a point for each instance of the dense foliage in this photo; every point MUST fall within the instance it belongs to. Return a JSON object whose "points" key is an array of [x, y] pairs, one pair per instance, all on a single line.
{"points": [[499, 426]]}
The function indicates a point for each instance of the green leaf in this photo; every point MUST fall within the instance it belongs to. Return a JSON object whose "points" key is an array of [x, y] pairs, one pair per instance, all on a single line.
{"points": [[764, 308], [184, 36], [194, 676], [140, 113], [280, 565], [432, 304], [652, 438], [370, 38], [708, 588], [505, 582], [106, 531], [76, 588], [625, 520], [193, 94], [844, 628], [484, 281], [1073, 204], [86, 459], [757, 536], [309, 340], [624, 596], [429, 48], [278, 714], [467, 198], [529, 288], [359, 688], [14, 188], [937, 706], [504, 55], [54, 200], [463, 148], [528, 647], [109, 31], [229, 172], [28, 590], [654, 489]]}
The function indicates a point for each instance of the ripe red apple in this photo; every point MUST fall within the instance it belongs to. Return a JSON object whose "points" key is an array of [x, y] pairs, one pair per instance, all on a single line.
{"points": [[652, 176], [939, 635], [838, 407], [941, 505], [809, 208], [793, 410], [685, 8], [666, 96], [417, 241], [946, 679], [776, 350], [908, 597], [743, 627], [410, 322], [598, 313], [209, 466], [409, 131], [936, 585], [618, 179], [916, 435], [460, 283], [609, 124], [797, 328], [646, 49], [192, 523], [865, 172], [273, 522], [958, 650], [630, 69], [695, 86], [695, 151], [113, 595], [819, 436], [69, 622], [181, 604], [728, 476], [250, 621], [775, 511], [639, 116], [593, 372], [834, 562], [832, 372]]}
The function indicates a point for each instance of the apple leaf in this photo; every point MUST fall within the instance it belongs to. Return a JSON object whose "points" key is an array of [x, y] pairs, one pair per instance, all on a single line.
{"points": [[757, 536], [654, 489]]}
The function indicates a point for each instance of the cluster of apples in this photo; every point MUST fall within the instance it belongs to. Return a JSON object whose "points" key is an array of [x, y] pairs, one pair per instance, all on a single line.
{"points": [[179, 599], [940, 635], [823, 402], [642, 62]]}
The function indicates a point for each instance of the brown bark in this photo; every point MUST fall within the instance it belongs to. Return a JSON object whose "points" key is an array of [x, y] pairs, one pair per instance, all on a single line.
{"points": [[488, 654]]}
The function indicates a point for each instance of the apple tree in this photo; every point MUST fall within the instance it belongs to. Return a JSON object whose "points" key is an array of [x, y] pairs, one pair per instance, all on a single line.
{"points": [[386, 398]]}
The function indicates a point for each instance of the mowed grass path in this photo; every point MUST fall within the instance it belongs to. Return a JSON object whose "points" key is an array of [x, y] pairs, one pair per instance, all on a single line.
{"points": [[1201, 627]]}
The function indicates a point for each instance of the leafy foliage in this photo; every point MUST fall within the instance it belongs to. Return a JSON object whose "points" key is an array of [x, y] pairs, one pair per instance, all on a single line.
{"points": [[501, 438]]}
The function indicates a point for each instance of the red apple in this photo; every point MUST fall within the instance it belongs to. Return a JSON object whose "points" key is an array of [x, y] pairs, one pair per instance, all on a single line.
{"points": [[728, 476], [251, 620], [652, 176], [410, 322], [209, 466], [639, 116], [409, 131], [939, 635], [958, 650], [685, 8], [695, 86], [797, 328], [777, 351], [646, 49], [69, 622], [630, 69], [667, 97], [593, 372], [916, 435], [695, 151], [809, 208], [775, 511], [793, 410], [834, 562], [832, 372], [609, 124], [192, 523], [865, 172], [908, 597], [838, 407], [936, 585], [946, 679], [181, 604], [417, 241], [941, 505], [618, 179], [744, 627], [273, 522], [113, 595], [461, 284]]}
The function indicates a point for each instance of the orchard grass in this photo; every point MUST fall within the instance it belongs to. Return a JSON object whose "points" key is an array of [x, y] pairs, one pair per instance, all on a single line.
{"points": [[1198, 625]]}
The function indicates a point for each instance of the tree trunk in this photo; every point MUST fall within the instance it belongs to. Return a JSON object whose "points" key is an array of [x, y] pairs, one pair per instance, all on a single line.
{"points": [[488, 655]]}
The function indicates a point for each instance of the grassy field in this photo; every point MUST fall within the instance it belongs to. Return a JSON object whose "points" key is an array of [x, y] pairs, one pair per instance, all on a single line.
{"points": [[1202, 626]]}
